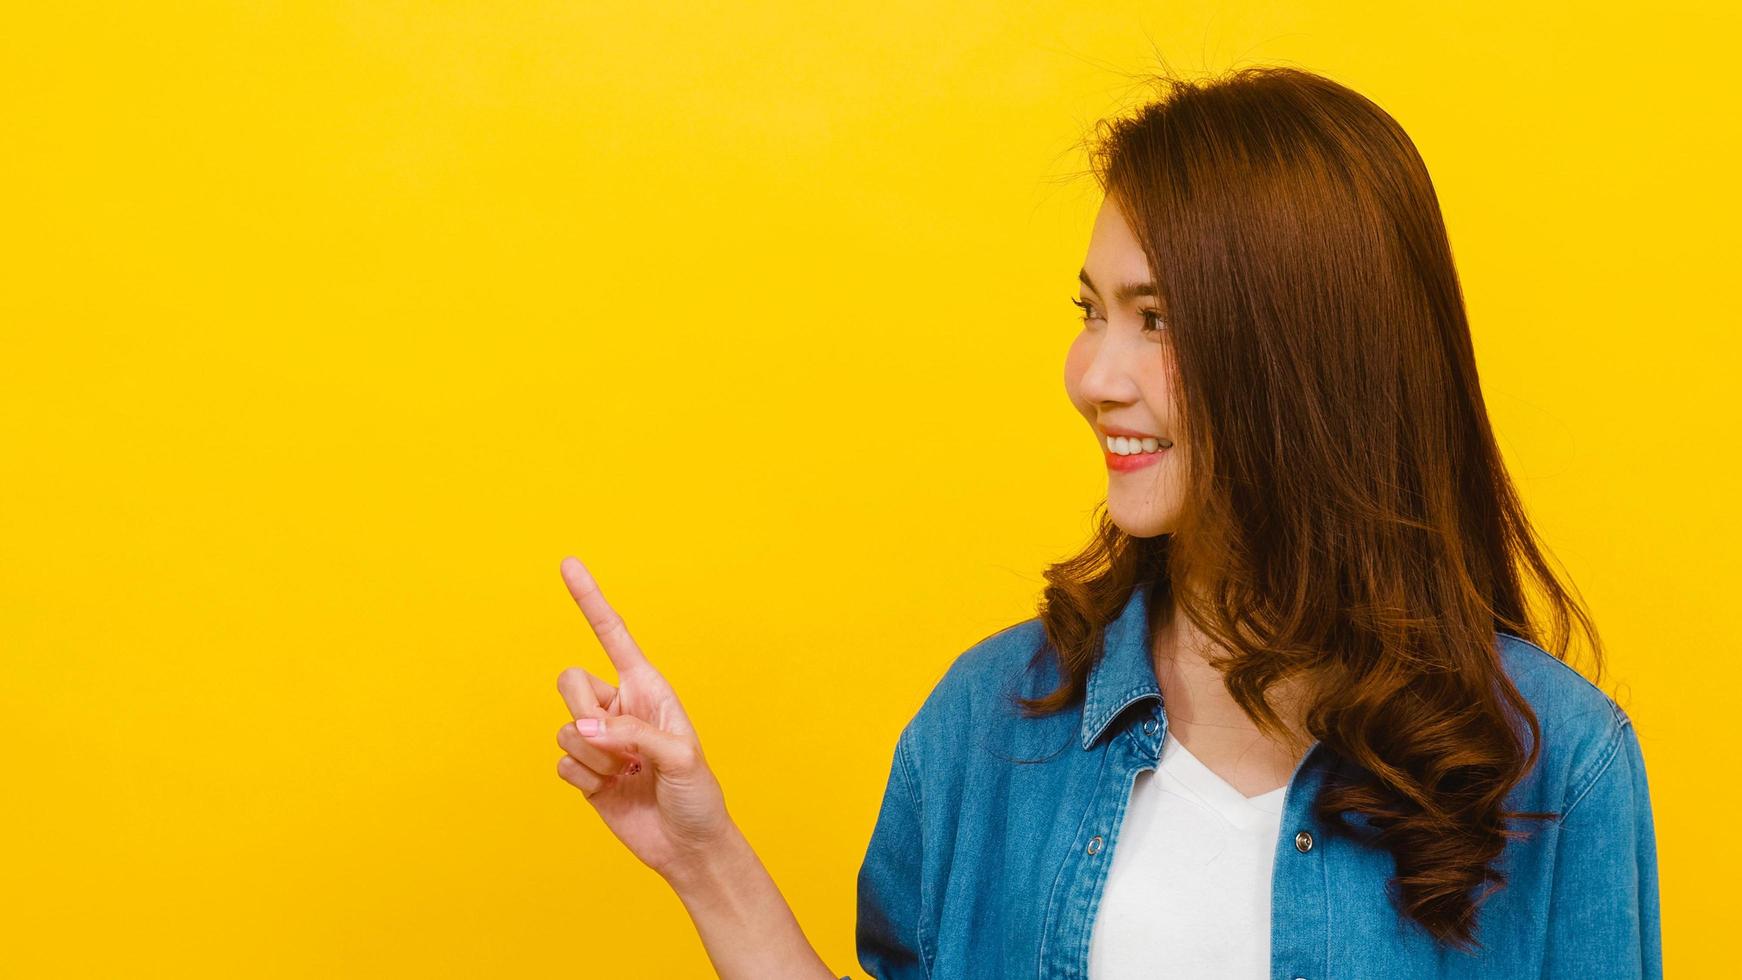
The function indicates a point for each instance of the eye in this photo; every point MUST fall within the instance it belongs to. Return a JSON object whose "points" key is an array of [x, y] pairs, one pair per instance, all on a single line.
{"points": [[1152, 319]]}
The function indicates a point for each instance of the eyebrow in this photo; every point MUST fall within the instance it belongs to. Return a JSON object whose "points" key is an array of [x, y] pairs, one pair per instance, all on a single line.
{"points": [[1125, 293]]}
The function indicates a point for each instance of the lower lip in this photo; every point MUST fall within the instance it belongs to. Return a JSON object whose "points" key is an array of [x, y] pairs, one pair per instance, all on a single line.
{"points": [[1136, 461]]}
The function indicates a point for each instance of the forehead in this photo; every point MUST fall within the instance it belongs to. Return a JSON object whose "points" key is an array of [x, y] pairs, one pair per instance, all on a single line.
{"points": [[1114, 252]]}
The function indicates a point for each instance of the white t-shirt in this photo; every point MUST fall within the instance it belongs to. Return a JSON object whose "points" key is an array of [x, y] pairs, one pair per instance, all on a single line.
{"points": [[1188, 894]]}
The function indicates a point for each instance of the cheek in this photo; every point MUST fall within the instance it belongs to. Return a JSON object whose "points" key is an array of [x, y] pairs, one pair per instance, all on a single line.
{"points": [[1076, 362], [1160, 388]]}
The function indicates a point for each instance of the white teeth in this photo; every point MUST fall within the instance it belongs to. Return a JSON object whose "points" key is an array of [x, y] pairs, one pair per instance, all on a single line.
{"points": [[1124, 446]]}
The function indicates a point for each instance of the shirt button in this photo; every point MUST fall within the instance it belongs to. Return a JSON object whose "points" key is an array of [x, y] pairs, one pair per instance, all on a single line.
{"points": [[1094, 844], [1303, 842], [1150, 726]]}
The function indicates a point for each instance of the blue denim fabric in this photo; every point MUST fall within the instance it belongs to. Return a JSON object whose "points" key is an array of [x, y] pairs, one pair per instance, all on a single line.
{"points": [[983, 866]]}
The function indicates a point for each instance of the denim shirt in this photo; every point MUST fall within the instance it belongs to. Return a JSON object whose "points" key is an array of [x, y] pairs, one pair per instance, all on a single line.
{"points": [[981, 865]]}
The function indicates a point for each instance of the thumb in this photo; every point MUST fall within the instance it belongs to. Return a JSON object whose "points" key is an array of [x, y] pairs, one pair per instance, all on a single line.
{"points": [[669, 753]]}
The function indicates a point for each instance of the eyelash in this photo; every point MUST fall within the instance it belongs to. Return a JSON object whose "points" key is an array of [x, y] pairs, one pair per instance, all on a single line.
{"points": [[1148, 315]]}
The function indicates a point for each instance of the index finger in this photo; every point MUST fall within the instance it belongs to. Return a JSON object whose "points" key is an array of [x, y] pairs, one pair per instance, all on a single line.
{"points": [[607, 625]]}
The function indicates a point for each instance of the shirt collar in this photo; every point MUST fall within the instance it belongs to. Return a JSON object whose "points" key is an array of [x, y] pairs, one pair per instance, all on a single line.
{"points": [[1124, 672]]}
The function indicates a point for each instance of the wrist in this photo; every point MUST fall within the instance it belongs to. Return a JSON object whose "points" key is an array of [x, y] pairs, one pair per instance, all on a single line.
{"points": [[713, 868]]}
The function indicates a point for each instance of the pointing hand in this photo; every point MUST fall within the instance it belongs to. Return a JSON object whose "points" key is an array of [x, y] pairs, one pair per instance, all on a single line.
{"points": [[644, 773]]}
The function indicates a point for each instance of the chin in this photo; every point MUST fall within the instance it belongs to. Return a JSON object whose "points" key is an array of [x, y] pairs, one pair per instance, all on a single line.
{"points": [[1151, 524]]}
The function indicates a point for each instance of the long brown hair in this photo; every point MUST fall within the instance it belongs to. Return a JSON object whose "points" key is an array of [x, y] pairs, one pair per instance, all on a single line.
{"points": [[1348, 523]]}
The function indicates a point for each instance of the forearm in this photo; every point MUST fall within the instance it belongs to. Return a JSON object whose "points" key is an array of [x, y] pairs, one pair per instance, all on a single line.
{"points": [[744, 922]]}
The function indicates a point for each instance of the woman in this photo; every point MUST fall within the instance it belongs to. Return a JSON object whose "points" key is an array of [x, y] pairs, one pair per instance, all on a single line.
{"points": [[1286, 716]]}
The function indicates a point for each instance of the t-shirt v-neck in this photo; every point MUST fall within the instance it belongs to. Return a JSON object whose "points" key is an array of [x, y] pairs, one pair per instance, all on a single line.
{"points": [[1188, 892], [1211, 790]]}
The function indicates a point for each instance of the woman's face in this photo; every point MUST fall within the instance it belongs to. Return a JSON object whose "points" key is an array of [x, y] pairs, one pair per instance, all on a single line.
{"points": [[1119, 375]]}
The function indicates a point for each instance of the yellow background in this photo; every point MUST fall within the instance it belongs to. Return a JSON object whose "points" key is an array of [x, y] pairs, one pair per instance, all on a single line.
{"points": [[329, 328]]}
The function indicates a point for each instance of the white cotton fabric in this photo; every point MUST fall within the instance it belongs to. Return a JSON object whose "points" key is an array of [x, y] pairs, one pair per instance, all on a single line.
{"points": [[1188, 893]]}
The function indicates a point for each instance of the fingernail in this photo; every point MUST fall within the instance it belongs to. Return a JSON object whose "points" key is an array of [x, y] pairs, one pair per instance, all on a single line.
{"points": [[590, 726]]}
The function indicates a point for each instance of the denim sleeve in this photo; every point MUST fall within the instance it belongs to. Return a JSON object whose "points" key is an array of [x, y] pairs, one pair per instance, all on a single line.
{"points": [[890, 946], [1603, 910]]}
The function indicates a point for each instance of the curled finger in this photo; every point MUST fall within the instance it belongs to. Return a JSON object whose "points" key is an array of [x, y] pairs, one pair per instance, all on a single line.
{"points": [[600, 758], [586, 693], [582, 777]]}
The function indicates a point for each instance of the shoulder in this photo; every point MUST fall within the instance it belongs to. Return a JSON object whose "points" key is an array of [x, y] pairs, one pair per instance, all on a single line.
{"points": [[1582, 727], [975, 687], [1557, 692]]}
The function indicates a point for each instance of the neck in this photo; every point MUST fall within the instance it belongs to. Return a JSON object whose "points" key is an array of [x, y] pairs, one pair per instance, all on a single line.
{"points": [[1195, 693]]}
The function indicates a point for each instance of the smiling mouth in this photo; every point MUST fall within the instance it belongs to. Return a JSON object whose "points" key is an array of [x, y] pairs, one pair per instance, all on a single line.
{"points": [[1131, 445], [1132, 461]]}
